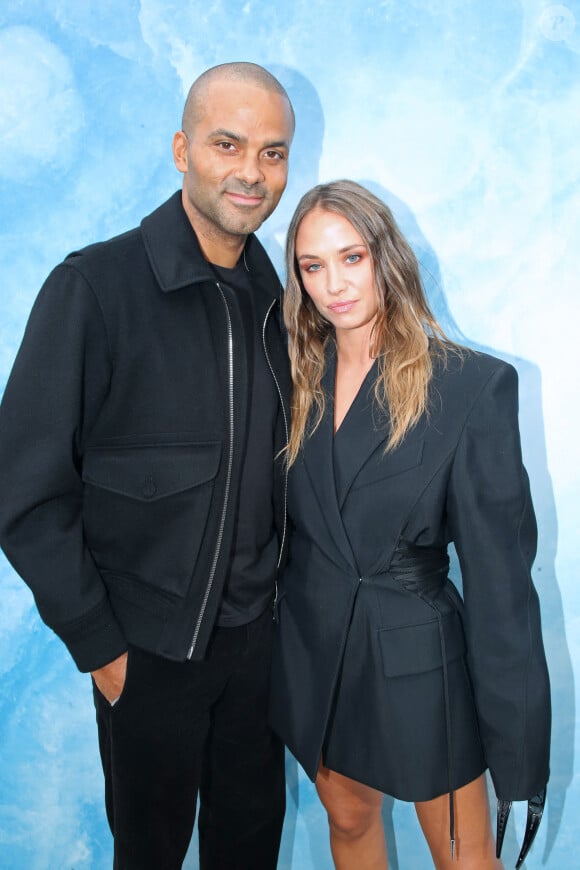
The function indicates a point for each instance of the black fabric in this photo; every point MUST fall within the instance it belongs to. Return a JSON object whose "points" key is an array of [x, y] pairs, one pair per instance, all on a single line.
{"points": [[120, 473], [249, 581], [183, 728], [114, 440], [346, 670]]}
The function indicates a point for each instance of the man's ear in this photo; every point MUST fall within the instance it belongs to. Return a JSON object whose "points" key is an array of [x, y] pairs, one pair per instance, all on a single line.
{"points": [[180, 146]]}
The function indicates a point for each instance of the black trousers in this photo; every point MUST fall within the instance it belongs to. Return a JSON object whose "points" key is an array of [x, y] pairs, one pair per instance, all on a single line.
{"points": [[183, 729]]}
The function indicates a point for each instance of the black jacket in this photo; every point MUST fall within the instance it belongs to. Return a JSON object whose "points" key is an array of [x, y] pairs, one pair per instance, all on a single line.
{"points": [[122, 434], [382, 667]]}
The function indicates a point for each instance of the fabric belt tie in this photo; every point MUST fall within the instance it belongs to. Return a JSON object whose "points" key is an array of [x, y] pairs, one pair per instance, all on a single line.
{"points": [[423, 571]]}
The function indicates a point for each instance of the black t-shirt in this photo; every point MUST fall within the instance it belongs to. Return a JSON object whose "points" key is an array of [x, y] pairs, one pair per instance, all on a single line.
{"points": [[249, 583]]}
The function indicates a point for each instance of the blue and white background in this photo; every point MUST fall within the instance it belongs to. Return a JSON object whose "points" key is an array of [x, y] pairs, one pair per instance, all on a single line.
{"points": [[465, 116]]}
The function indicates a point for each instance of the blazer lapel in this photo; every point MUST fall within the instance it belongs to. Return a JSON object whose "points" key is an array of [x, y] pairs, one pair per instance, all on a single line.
{"points": [[363, 430], [319, 462]]}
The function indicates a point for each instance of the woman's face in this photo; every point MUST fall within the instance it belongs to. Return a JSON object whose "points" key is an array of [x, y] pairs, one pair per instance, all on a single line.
{"points": [[336, 271]]}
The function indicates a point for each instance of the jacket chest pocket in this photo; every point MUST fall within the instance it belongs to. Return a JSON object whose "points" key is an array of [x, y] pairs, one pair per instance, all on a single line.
{"points": [[146, 508]]}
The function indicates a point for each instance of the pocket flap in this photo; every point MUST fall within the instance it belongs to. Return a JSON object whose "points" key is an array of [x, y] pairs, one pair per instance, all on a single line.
{"points": [[154, 471], [416, 649]]}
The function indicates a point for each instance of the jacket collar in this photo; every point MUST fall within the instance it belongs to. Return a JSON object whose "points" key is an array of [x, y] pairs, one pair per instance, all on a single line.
{"points": [[176, 257]]}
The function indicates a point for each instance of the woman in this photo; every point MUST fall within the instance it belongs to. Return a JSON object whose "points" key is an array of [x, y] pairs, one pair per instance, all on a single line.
{"points": [[385, 679]]}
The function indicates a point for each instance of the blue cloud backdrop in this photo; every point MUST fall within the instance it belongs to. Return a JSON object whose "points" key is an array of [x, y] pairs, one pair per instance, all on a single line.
{"points": [[465, 117]]}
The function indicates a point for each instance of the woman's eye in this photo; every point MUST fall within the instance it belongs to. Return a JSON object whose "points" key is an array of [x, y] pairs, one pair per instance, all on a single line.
{"points": [[313, 267], [353, 258]]}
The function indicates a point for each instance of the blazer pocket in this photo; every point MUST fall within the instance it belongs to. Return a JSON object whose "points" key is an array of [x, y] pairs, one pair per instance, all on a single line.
{"points": [[382, 465], [416, 649]]}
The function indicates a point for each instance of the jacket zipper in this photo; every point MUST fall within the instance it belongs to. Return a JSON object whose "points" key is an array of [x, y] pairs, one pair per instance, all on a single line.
{"points": [[283, 541], [228, 476]]}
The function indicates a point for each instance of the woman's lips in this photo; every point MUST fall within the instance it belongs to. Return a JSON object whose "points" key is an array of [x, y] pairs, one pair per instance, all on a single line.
{"points": [[342, 307]]}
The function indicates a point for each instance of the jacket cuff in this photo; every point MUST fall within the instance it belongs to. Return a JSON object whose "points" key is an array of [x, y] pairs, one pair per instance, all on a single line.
{"points": [[532, 784], [95, 639]]}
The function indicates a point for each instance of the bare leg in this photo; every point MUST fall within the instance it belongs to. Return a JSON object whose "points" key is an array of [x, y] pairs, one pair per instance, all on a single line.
{"points": [[475, 843], [357, 837]]}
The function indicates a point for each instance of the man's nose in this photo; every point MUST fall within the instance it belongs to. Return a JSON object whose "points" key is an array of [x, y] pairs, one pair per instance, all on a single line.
{"points": [[250, 171]]}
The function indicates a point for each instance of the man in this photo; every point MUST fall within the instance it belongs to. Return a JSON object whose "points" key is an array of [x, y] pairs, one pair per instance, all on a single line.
{"points": [[143, 495]]}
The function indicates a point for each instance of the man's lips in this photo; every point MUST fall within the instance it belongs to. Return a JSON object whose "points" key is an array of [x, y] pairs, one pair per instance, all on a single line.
{"points": [[342, 307], [244, 199]]}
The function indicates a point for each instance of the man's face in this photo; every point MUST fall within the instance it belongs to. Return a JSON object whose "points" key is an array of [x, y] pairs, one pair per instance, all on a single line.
{"points": [[234, 160]]}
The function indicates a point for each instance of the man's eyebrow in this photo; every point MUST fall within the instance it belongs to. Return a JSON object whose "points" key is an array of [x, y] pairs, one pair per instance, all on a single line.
{"points": [[281, 143], [227, 134], [236, 137]]}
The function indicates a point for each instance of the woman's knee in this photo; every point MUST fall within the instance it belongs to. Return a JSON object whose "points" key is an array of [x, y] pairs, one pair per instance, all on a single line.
{"points": [[353, 821], [352, 808]]}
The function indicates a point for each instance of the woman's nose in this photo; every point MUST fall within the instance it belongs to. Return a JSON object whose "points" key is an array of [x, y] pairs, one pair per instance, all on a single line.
{"points": [[335, 280]]}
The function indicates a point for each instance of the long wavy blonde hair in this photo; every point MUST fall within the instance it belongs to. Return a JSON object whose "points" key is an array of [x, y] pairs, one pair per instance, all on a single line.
{"points": [[405, 336]]}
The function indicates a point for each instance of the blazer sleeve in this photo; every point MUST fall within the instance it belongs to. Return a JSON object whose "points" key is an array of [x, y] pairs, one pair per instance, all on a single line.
{"points": [[492, 522], [53, 396]]}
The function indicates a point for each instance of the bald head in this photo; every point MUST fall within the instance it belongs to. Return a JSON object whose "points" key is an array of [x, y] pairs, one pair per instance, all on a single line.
{"points": [[240, 72]]}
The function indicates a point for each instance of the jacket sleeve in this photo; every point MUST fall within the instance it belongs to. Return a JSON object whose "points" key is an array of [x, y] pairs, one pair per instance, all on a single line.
{"points": [[55, 391], [492, 522]]}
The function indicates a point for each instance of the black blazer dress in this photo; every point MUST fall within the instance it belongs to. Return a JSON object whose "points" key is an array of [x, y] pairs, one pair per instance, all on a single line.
{"points": [[380, 667]]}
